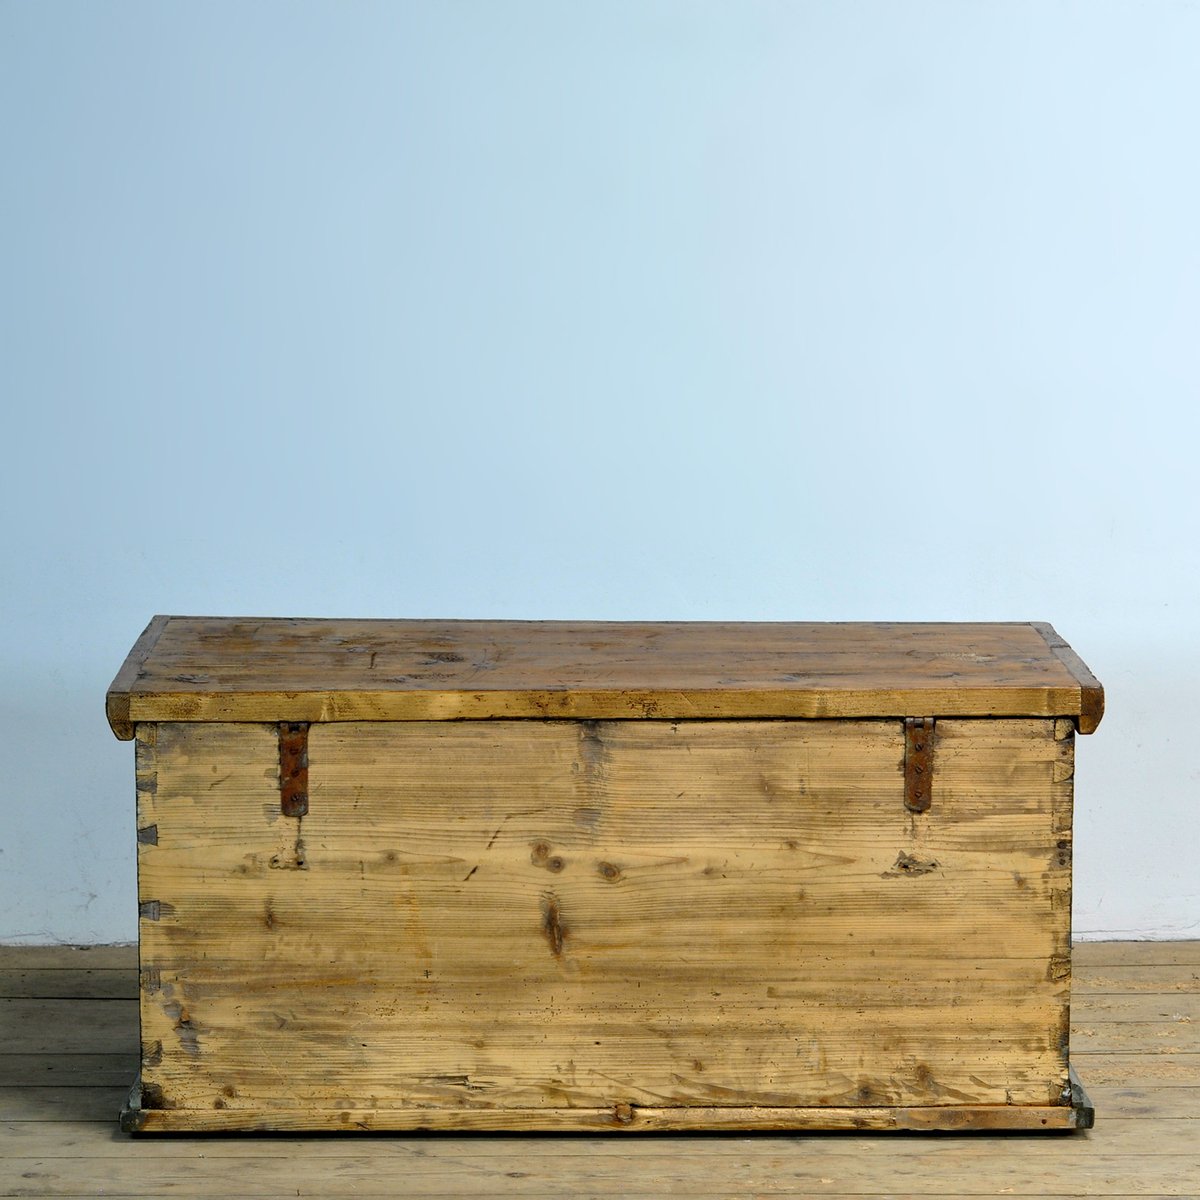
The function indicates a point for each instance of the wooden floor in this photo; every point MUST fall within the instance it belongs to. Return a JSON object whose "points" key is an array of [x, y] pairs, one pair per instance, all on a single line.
{"points": [[68, 1042]]}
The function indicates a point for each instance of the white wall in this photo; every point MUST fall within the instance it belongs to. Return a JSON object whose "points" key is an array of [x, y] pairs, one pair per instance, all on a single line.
{"points": [[620, 309]]}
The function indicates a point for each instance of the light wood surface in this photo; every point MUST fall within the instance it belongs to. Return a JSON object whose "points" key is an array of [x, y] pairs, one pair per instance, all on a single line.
{"points": [[604, 924], [60, 1141], [240, 669]]}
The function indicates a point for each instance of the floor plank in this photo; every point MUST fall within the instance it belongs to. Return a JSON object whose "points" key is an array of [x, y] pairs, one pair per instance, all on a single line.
{"points": [[90, 1139], [68, 1050], [1155, 1069], [69, 1026], [72, 958], [1182, 1007], [806, 1166], [99, 983], [68, 1070], [1135, 977], [1087, 955], [1178, 1103], [49, 1103], [1134, 1037]]}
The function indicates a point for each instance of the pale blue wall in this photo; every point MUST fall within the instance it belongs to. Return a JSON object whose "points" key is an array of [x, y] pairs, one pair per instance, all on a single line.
{"points": [[645, 309]]}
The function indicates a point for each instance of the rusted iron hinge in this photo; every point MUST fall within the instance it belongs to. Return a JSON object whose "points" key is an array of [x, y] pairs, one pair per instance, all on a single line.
{"points": [[293, 768], [918, 763]]}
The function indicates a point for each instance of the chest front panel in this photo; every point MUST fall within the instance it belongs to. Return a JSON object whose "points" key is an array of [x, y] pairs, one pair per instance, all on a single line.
{"points": [[512, 920]]}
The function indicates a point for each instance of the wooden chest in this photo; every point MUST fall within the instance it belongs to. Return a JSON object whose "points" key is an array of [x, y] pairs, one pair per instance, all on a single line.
{"points": [[517, 875]]}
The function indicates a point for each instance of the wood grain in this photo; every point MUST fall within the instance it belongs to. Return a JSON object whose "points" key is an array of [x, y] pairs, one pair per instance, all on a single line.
{"points": [[529, 918], [233, 669]]}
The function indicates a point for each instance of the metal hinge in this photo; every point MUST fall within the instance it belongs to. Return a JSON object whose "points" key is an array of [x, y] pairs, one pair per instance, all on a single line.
{"points": [[918, 763], [293, 768]]}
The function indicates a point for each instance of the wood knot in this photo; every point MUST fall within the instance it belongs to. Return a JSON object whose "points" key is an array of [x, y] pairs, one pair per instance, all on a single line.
{"points": [[540, 856], [623, 1113]]}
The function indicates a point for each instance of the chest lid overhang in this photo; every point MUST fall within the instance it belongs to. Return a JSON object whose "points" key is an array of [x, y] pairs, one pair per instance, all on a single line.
{"points": [[317, 669]]}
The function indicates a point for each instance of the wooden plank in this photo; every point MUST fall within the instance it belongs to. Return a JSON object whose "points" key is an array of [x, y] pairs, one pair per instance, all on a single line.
{"points": [[64, 983], [67, 1070], [116, 703], [1136, 1037], [1146, 1102], [621, 1118], [70, 1026], [72, 958], [229, 669], [1165, 1067], [42, 1104], [1140, 1007], [932, 1167], [542, 915], [1093, 955], [1135, 978], [77, 1139], [679, 704]]}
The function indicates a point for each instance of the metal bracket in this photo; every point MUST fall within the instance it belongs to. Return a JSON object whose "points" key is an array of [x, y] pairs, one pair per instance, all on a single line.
{"points": [[918, 763], [293, 768]]}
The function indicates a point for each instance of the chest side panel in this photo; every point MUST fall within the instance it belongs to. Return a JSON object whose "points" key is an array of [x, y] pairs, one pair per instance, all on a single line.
{"points": [[528, 914]]}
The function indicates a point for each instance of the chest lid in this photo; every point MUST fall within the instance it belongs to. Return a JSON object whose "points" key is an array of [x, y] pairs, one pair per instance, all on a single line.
{"points": [[283, 669], [233, 669]]}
